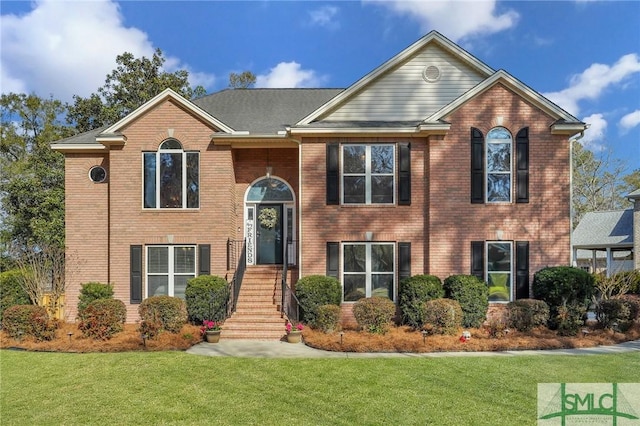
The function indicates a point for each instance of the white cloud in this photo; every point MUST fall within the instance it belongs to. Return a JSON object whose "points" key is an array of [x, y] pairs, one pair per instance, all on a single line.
{"points": [[455, 19], [593, 81], [62, 48], [289, 74], [630, 121], [325, 17], [594, 136]]}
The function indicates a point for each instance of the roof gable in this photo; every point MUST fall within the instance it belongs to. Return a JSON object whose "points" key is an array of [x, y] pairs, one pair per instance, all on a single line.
{"points": [[604, 229], [388, 88]]}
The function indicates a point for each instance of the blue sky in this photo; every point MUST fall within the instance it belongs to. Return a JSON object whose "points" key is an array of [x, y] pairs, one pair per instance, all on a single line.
{"points": [[583, 55]]}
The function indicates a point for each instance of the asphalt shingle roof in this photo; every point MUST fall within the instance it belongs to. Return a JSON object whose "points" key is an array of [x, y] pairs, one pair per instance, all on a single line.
{"points": [[605, 229]]}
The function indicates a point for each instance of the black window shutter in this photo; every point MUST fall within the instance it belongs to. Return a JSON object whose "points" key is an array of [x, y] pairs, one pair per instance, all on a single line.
{"points": [[522, 269], [333, 258], [404, 261], [522, 166], [333, 174], [135, 259], [404, 174], [477, 259], [204, 259], [477, 166]]}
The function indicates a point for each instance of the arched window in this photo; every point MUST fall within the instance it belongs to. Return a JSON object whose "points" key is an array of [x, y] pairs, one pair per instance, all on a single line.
{"points": [[499, 149], [171, 177]]}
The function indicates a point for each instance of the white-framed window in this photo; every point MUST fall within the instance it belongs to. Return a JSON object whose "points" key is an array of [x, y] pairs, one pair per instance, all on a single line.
{"points": [[368, 269], [499, 270], [499, 150], [168, 269], [368, 174], [171, 177]]}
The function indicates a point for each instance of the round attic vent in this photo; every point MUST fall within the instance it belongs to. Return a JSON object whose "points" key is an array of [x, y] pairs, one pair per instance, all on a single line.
{"points": [[431, 73], [97, 174]]}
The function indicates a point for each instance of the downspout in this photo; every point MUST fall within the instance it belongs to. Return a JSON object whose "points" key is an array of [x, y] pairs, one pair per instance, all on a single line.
{"points": [[574, 253]]}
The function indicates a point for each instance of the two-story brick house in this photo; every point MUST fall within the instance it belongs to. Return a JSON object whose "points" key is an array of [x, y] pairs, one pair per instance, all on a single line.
{"points": [[432, 163]]}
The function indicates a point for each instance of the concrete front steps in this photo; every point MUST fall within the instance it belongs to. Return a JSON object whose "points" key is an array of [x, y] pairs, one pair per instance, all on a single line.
{"points": [[257, 315]]}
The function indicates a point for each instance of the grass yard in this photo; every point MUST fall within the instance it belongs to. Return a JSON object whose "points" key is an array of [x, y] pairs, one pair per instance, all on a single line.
{"points": [[177, 388]]}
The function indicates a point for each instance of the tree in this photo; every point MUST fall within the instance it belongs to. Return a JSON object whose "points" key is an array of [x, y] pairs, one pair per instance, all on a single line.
{"points": [[242, 81], [131, 84], [31, 173], [597, 182]]}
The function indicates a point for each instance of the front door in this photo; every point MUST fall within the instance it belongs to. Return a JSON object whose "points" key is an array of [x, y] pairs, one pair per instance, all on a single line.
{"points": [[269, 234]]}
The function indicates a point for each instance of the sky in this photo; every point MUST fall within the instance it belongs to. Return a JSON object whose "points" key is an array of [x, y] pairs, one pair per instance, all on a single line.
{"points": [[584, 55]]}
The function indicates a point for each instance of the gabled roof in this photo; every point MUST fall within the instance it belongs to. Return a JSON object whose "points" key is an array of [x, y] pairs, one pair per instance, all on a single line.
{"points": [[634, 195], [432, 37], [503, 77], [81, 142], [604, 229]]}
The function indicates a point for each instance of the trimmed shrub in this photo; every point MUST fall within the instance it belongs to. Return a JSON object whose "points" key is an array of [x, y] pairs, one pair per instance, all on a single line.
{"points": [[633, 302], [102, 318], [413, 292], [328, 318], [525, 314], [12, 290], [442, 316], [28, 320], [374, 314], [569, 319], [206, 298], [314, 291], [93, 291], [614, 314], [473, 296], [563, 286], [169, 312]]}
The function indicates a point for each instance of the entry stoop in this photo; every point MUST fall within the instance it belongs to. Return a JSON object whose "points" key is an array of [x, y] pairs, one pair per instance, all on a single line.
{"points": [[257, 314]]}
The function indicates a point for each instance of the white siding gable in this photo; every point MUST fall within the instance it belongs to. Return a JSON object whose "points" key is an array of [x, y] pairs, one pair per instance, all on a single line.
{"points": [[402, 94]]}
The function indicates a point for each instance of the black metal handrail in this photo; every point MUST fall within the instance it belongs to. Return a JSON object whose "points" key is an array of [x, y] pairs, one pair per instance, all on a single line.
{"points": [[290, 305], [236, 258]]}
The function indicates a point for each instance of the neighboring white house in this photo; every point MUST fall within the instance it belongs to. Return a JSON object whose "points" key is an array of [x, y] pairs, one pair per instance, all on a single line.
{"points": [[608, 241]]}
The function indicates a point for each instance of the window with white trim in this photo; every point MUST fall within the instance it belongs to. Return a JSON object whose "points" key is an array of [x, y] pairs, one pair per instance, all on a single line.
{"points": [[499, 270], [171, 177], [168, 269], [368, 174], [368, 269], [499, 148]]}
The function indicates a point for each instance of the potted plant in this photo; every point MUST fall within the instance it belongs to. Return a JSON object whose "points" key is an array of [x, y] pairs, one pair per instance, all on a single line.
{"points": [[211, 331], [294, 334]]}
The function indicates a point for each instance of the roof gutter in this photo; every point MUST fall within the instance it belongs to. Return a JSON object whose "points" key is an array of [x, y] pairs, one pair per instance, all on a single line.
{"points": [[574, 260]]}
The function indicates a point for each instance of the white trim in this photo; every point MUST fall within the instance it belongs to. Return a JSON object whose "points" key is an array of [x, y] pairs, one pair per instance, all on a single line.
{"points": [[368, 272], [511, 272], [486, 169], [163, 96], [368, 175], [76, 147], [170, 274]]}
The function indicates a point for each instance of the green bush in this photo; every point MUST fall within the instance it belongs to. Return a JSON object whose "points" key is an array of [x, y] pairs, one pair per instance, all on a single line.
{"points": [[633, 302], [569, 319], [102, 318], [614, 314], [314, 291], [374, 314], [207, 297], [413, 292], [473, 296], [328, 318], [563, 286], [525, 314], [28, 320], [93, 291], [442, 316], [169, 312], [12, 290], [497, 328]]}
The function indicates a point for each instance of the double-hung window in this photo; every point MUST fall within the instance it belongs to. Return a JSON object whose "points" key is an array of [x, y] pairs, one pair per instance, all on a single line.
{"points": [[368, 174], [499, 157], [171, 177], [368, 270], [499, 270], [169, 268]]}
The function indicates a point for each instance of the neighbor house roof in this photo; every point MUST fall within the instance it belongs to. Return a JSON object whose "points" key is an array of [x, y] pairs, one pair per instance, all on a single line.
{"points": [[604, 229]]}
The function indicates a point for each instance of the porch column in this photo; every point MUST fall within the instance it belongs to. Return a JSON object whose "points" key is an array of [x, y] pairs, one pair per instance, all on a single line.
{"points": [[609, 261]]}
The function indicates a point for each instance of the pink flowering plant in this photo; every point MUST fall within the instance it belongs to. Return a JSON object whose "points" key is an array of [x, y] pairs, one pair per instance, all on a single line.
{"points": [[290, 327], [208, 325]]}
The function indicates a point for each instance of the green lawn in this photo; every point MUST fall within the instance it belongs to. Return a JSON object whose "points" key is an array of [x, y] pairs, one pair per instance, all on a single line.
{"points": [[178, 388]]}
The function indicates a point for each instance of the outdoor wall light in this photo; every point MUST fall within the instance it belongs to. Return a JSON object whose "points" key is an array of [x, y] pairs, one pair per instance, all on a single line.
{"points": [[424, 336], [341, 334]]}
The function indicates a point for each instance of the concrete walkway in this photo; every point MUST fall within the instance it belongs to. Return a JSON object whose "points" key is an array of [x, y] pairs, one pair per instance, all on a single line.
{"points": [[280, 349]]}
